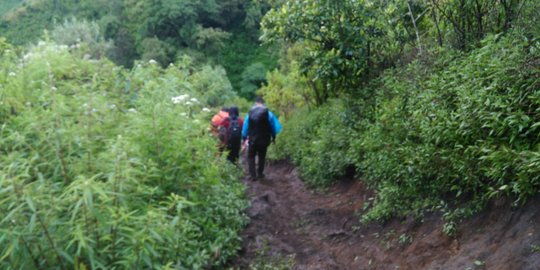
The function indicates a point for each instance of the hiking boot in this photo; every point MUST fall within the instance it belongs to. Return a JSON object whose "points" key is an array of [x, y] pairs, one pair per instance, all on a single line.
{"points": [[252, 178], [261, 176]]}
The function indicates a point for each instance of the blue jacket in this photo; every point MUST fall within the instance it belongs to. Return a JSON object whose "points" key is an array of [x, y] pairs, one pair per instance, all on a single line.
{"points": [[274, 123]]}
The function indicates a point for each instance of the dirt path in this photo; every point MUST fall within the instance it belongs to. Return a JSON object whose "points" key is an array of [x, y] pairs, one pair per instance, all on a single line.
{"points": [[322, 231]]}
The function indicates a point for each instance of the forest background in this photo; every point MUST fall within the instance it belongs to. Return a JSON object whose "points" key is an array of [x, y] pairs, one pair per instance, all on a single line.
{"points": [[435, 104]]}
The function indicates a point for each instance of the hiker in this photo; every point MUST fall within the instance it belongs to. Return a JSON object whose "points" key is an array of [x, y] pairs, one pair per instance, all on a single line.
{"points": [[260, 129], [234, 124], [218, 129]]}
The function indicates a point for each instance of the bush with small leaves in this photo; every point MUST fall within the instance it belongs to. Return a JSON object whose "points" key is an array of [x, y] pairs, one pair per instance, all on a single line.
{"points": [[105, 168]]}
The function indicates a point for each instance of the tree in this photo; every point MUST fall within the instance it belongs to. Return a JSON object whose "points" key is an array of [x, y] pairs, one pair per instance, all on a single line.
{"points": [[344, 41], [157, 50], [73, 32], [470, 21], [286, 89], [210, 40], [252, 78]]}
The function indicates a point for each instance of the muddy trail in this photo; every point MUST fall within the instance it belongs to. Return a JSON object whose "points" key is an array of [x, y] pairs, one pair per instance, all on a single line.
{"points": [[321, 230]]}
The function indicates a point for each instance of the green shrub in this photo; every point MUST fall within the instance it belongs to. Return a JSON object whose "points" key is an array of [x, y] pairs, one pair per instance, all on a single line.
{"points": [[253, 77], [464, 131], [448, 135], [157, 50], [107, 168], [316, 141], [212, 83], [287, 89], [74, 33]]}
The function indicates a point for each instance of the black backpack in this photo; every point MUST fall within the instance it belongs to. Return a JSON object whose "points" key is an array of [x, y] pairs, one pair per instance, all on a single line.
{"points": [[234, 134], [260, 131]]}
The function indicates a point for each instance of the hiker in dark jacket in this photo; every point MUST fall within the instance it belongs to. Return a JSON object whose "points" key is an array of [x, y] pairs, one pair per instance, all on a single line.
{"points": [[260, 129], [234, 125]]}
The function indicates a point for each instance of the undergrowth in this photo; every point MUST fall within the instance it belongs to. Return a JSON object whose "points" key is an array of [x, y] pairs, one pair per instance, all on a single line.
{"points": [[446, 136], [105, 168]]}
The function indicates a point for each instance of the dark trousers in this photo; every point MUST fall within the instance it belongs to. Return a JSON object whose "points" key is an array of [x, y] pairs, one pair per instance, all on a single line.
{"points": [[258, 150], [234, 153]]}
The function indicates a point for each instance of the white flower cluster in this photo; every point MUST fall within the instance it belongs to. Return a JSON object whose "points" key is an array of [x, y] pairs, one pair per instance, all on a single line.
{"points": [[179, 99], [43, 48], [152, 62], [184, 99], [75, 46], [28, 56], [87, 109], [192, 101]]}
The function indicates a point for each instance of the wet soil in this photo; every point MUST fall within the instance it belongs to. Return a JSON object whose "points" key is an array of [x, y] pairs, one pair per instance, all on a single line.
{"points": [[321, 230]]}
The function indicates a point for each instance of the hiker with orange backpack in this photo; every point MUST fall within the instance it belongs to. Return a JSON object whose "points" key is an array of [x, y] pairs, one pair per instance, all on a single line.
{"points": [[260, 127], [218, 129], [234, 124]]}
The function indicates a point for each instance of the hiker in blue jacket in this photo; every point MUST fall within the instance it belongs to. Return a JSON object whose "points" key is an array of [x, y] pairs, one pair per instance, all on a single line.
{"points": [[260, 129]]}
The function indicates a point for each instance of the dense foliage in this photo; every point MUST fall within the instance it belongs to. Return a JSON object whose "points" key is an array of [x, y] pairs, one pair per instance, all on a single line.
{"points": [[348, 43], [435, 104], [107, 168], [444, 115], [210, 31], [465, 127], [469, 130]]}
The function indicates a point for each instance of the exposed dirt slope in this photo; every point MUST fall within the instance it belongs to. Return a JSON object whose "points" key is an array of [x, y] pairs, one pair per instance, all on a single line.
{"points": [[322, 231]]}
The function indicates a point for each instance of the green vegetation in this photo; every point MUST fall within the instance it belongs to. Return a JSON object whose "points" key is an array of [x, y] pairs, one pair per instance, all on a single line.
{"points": [[267, 261], [106, 158], [103, 167], [215, 32], [8, 5], [318, 141], [438, 110], [240, 55]]}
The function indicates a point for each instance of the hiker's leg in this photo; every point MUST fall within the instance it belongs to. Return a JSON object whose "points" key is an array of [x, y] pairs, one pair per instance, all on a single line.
{"points": [[262, 159], [234, 154], [251, 160], [230, 156]]}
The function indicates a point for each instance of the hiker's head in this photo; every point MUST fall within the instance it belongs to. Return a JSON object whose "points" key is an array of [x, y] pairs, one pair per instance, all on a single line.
{"points": [[224, 109], [259, 100], [233, 111]]}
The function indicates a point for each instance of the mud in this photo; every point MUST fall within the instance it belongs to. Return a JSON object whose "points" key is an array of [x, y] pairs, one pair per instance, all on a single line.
{"points": [[321, 230]]}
